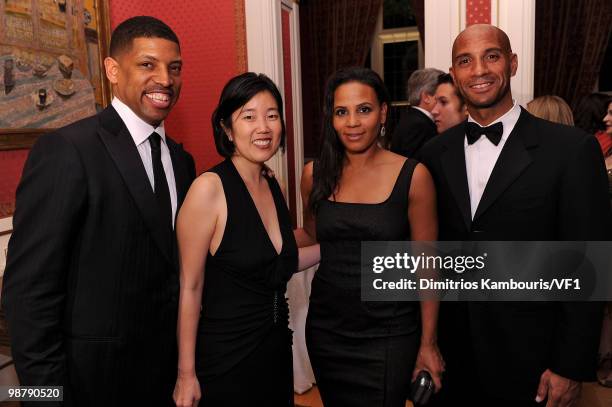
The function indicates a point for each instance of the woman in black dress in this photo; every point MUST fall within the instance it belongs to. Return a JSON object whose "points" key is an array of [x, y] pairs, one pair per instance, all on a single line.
{"points": [[237, 252], [364, 353]]}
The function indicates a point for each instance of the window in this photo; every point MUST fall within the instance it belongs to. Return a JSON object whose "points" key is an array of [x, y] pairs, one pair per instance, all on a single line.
{"points": [[396, 48]]}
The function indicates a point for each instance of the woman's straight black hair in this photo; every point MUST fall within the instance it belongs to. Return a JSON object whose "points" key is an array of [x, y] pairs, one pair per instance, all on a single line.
{"points": [[236, 93]]}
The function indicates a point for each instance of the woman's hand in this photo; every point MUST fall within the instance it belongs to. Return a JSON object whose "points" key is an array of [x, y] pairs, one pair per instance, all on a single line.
{"points": [[430, 359], [187, 390]]}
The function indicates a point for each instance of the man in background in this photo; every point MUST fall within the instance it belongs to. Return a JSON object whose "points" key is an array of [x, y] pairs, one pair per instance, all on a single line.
{"points": [[91, 282], [416, 126]]}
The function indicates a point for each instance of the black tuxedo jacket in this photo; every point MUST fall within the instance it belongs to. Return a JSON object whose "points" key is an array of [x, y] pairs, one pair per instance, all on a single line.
{"points": [[413, 130], [549, 183], [91, 282]]}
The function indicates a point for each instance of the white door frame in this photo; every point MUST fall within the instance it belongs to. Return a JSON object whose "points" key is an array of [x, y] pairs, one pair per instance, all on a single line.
{"points": [[517, 19], [444, 20], [265, 55]]}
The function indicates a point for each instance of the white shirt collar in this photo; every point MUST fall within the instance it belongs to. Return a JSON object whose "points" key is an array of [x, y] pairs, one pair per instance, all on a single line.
{"points": [[508, 120], [138, 128], [425, 112]]}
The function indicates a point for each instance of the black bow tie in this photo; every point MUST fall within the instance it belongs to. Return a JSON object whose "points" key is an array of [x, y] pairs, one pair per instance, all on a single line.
{"points": [[493, 132]]}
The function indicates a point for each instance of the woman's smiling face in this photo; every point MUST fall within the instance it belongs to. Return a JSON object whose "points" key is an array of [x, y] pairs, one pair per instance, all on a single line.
{"points": [[357, 116], [256, 128]]}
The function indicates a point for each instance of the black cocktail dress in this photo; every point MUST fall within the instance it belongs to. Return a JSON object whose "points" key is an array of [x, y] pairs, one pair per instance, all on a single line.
{"points": [[243, 351], [362, 353]]}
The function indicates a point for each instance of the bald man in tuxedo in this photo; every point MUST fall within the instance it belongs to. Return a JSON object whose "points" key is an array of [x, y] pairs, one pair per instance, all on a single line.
{"points": [[507, 175]]}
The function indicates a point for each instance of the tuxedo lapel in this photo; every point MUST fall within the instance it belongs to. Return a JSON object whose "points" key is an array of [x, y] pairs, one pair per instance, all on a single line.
{"points": [[453, 165], [124, 153], [513, 160]]}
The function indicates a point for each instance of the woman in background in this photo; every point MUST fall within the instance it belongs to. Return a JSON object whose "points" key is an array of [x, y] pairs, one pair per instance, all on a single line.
{"points": [[237, 252], [589, 116], [605, 350], [364, 354], [551, 108], [604, 135], [594, 115], [607, 120]]}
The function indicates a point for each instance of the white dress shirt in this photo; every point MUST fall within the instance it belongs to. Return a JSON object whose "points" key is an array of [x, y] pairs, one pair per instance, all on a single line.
{"points": [[480, 157], [140, 132]]}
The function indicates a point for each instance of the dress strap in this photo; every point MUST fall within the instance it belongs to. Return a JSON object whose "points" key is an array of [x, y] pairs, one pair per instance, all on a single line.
{"points": [[234, 200], [402, 183]]}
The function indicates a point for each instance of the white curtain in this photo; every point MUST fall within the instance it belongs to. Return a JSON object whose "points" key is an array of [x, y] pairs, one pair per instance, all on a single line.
{"points": [[298, 292]]}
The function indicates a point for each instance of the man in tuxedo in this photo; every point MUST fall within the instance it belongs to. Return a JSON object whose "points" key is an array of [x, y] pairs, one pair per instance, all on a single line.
{"points": [[507, 175], [91, 283], [416, 124]]}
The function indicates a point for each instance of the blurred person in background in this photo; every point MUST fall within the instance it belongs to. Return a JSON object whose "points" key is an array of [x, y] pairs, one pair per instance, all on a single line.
{"points": [[551, 108], [450, 109], [416, 124], [605, 349], [589, 116]]}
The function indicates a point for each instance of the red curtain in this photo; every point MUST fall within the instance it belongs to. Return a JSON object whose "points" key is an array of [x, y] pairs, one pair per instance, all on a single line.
{"points": [[334, 34], [570, 43]]}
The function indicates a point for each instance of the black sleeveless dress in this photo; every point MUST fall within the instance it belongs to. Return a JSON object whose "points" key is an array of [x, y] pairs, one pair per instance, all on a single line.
{"points": [[362, 353], [243, 350]]}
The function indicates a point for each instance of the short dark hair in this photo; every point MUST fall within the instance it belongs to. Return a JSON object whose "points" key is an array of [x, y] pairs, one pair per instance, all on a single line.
{"points": [[447, 78], [139, 27], [236, 93]]}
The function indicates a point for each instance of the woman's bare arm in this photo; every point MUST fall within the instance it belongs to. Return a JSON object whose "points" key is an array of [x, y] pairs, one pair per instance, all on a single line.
{"points": [[306, 236], [196, 224], [422, 214]]}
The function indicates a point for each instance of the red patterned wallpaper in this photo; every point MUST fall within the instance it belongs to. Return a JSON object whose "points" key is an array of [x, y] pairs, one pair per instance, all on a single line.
{"points": [[478, 12], [11, 165], [208, 34]]}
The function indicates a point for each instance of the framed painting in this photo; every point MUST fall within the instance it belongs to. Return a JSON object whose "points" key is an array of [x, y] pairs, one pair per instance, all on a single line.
{"points": [[51, 66]]}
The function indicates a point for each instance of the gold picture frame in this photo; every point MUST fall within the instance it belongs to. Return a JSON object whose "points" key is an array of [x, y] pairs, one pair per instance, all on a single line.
{"points": [[51, 66]]}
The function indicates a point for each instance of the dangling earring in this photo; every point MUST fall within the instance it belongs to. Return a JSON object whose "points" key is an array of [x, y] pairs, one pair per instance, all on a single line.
{"points": [[383, 131], [230, 138]]}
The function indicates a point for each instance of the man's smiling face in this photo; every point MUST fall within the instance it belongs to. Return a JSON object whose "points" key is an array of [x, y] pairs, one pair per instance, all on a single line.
{"points": [[482, 66], [147, 77]]}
